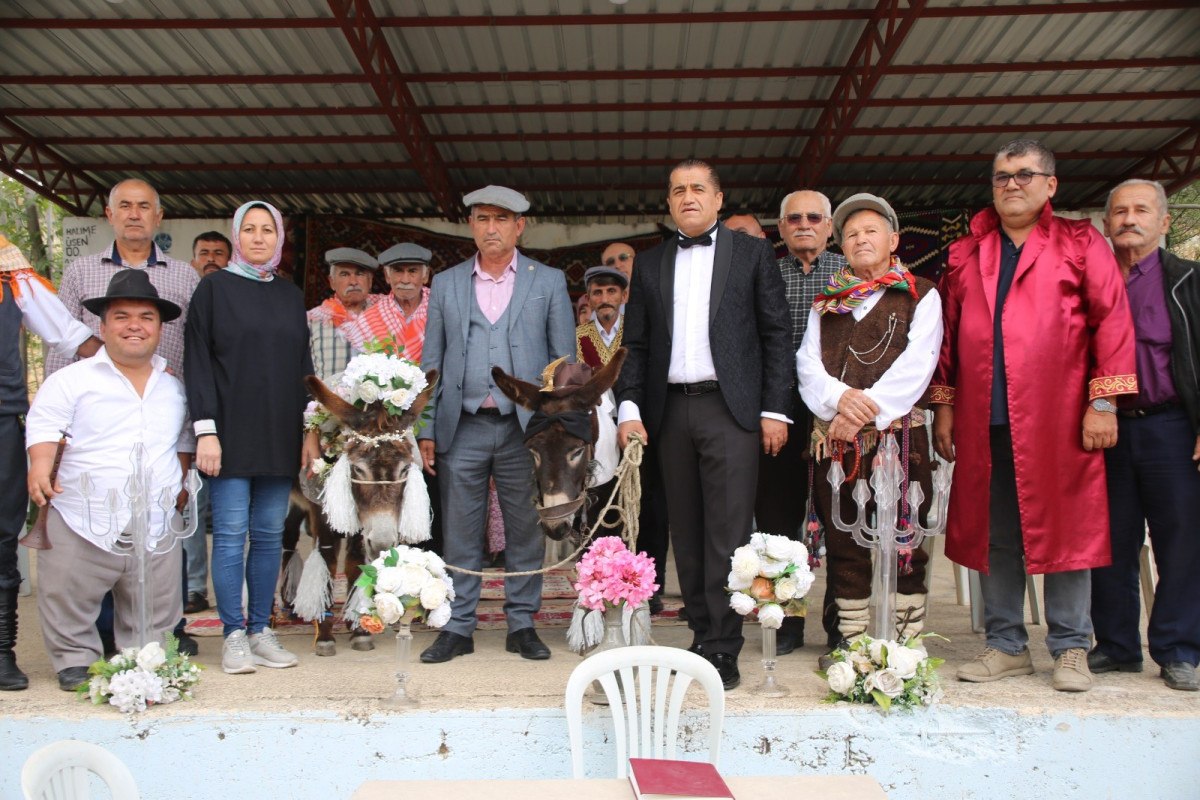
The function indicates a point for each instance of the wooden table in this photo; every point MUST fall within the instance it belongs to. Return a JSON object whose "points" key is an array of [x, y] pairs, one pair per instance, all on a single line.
{"points": [[826, 787]]}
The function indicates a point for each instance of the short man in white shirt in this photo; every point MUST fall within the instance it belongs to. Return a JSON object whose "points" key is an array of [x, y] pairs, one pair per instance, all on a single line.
{"points": [[26, 299], [120, 397], [864, 366]]}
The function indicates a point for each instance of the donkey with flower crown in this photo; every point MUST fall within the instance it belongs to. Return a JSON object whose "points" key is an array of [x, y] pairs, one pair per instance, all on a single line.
{"points": [[374, 492]]}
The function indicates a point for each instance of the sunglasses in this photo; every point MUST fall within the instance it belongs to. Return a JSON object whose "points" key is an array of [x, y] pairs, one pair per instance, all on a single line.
{"points": [[1023, 177], [622, 257], [813, 218]]}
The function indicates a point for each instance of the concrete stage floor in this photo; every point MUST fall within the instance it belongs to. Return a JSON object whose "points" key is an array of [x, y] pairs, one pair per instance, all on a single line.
{"points": [[319, 729]]}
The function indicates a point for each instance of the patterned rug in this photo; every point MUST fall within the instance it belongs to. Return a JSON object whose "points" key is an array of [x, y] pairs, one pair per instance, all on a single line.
{"points": [[558, 602]]}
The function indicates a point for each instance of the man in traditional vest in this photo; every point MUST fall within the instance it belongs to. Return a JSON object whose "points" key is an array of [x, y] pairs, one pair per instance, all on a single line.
{"points": [[864, 366], [600, 337]]}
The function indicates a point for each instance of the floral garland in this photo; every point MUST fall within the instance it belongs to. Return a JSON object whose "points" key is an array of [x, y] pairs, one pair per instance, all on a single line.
{"points": [[134, 679], [770, 576], [403, 584], [884, 672]]}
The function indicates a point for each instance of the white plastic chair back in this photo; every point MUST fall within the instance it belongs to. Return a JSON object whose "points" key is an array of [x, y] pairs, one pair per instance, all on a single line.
{"points": [[645, 702], [60, 771]]}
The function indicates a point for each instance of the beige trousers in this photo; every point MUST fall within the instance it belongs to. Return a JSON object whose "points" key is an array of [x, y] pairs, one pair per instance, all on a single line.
{"points": [[73, 578]]}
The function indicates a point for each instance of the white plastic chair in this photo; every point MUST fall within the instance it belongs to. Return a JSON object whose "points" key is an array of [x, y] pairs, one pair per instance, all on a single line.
{"points": [[645, 717], [59, 771]]}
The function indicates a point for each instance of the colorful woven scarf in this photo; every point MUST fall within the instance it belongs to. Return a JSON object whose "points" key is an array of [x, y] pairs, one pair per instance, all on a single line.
{"points": [[238, 264], [846, 291]]}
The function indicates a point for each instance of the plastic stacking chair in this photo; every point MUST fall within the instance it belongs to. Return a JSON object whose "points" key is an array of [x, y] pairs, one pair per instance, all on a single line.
{"points": [[60, 771], [645, 686]]}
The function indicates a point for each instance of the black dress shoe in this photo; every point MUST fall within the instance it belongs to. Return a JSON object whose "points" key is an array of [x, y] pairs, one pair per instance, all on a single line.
{"points": [[196, 603], [1180, 675], [188, 645], [72, 677], [446, 646], [1099, 661], [656, 604], [726, 665], [787, 642], [527, 643], [696, 648]]}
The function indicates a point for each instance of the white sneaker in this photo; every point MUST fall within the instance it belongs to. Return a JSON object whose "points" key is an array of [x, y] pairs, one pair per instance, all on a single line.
{"points": [[268, 652], [235, 654]]}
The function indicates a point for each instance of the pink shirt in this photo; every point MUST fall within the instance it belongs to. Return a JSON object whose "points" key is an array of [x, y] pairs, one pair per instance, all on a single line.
{"points": [[493, 296]]}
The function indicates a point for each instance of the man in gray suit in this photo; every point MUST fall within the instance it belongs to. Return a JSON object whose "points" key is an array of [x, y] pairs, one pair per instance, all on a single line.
{"points": [[502, 309]]}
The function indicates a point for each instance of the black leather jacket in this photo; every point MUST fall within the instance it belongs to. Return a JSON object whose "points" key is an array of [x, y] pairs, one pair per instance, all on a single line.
{"points": [[1182, 284]]}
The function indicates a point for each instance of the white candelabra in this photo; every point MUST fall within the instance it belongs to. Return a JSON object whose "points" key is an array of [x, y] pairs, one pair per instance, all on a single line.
{"points": [[135, 541], [888, 536]]}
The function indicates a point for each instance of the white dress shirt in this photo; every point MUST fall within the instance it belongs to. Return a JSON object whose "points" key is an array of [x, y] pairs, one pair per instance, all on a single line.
{"points": [[608, 336], [899, 388], [107, 418], [46, 316]]}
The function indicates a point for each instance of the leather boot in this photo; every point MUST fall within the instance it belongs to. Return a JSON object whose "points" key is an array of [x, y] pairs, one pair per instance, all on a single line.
{"points": [[11, 677]]}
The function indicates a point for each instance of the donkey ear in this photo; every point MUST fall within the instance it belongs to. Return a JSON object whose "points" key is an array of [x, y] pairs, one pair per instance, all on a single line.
{"points": [[345, 412], [603, 380], [523, 394], [422, 400]]}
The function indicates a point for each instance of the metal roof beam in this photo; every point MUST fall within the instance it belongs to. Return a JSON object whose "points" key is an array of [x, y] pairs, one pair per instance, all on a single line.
{"points": [[1176, 165], [47, 173], [559, 76], [1014, 128], [370, 46], [562, 20]]}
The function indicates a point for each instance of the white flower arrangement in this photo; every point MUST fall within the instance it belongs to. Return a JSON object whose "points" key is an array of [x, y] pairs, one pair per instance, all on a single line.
{"points": [[884, 672], [769, 575], [403, 584], [134, 679]]}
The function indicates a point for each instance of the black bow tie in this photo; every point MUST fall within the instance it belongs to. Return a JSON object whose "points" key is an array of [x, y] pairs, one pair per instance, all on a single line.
{"points": [[691, 241]]}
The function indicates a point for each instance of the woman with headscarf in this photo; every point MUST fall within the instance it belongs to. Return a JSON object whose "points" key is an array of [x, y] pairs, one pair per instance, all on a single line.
{"points": [[246, 355]]}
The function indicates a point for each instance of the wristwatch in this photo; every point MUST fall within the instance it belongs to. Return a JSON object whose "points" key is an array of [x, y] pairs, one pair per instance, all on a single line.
{"points": [[1105, 405]]}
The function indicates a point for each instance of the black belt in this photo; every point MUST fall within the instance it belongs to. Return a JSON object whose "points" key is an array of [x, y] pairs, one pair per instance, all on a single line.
{"points": [[1146, 411], [490, 411], [694, 389]]}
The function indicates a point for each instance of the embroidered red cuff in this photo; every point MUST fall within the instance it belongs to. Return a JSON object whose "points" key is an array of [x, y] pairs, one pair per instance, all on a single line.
{"points": [[1112, 384], [941, 394]]}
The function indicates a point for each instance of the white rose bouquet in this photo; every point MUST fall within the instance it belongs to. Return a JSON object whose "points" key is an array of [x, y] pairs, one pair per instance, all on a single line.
{"points": [[403, 584], [885, 672], [134, 679], [770, 576]]}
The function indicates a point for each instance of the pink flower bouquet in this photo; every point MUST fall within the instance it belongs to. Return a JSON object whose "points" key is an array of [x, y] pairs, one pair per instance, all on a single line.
{"points": [[610, 575]]}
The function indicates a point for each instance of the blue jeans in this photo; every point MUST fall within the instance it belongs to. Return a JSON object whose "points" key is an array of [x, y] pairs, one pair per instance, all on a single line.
{"points": [[195, 547], [255, 507]]}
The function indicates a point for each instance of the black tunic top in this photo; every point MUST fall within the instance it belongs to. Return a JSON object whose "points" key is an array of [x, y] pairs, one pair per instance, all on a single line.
{"points": [[245, 357]]}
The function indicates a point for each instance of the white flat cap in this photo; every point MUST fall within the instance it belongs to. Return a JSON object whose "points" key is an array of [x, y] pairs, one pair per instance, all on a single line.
{"points": [[499, 196]]}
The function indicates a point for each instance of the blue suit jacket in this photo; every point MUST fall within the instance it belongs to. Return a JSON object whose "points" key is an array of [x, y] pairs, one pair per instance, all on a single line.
{"points": [[541, 328]]}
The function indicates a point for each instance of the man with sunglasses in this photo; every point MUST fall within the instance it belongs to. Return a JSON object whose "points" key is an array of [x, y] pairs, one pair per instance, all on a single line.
{"points": [[781, 502], [1038, 343]]}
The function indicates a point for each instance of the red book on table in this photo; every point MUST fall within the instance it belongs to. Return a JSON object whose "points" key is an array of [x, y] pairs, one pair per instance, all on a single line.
{"points": [[663, 779]]}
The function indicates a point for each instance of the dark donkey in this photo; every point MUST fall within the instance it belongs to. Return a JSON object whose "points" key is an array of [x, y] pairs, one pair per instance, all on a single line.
{"points": [[368, 507], [562, 435]]}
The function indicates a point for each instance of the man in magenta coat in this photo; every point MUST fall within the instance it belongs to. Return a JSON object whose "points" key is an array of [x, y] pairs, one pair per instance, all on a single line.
{"points": [[1038, 342]]}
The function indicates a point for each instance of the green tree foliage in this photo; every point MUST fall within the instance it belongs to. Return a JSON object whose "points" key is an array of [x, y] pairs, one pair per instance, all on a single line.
{"points": [[1184, 237]]}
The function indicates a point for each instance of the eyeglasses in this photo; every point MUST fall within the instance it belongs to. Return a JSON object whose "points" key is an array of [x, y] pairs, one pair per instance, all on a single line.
{"points": [[1022, 177], [622, 257], [813, 218]]}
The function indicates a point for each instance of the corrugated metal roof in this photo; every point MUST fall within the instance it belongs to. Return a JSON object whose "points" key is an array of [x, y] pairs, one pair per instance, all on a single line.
{"points": [[583, 103]]}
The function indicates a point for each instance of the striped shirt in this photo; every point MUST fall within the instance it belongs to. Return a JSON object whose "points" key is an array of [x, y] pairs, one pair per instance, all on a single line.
{"points": [[87, 277], [330, 350], [802, 288]]}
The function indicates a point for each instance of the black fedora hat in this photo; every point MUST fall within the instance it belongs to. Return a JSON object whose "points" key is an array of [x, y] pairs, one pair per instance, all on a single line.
{"points": [[132, 284]]}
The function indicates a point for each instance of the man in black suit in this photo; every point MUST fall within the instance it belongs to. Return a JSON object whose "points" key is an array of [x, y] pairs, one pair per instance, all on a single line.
{"points": [[708, 379]]}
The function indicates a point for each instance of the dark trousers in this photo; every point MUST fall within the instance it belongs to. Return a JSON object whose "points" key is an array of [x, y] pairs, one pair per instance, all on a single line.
{"points": [[781, 501], [14, 501], [709, 468], [1151, 479]]}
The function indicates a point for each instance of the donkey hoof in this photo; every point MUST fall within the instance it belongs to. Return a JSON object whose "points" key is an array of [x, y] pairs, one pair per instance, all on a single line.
{"points": [[327, 648], [363, 643]]}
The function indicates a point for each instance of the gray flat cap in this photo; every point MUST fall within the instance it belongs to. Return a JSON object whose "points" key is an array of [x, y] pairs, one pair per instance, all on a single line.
{"points": [[500, 196], [605, 272], [351, 255], [405, 253], [859, 202]]}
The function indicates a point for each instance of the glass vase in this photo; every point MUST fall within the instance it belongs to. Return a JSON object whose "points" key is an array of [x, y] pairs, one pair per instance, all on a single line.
{"points": [[613, 637], [403, 697], [770, 686]]}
